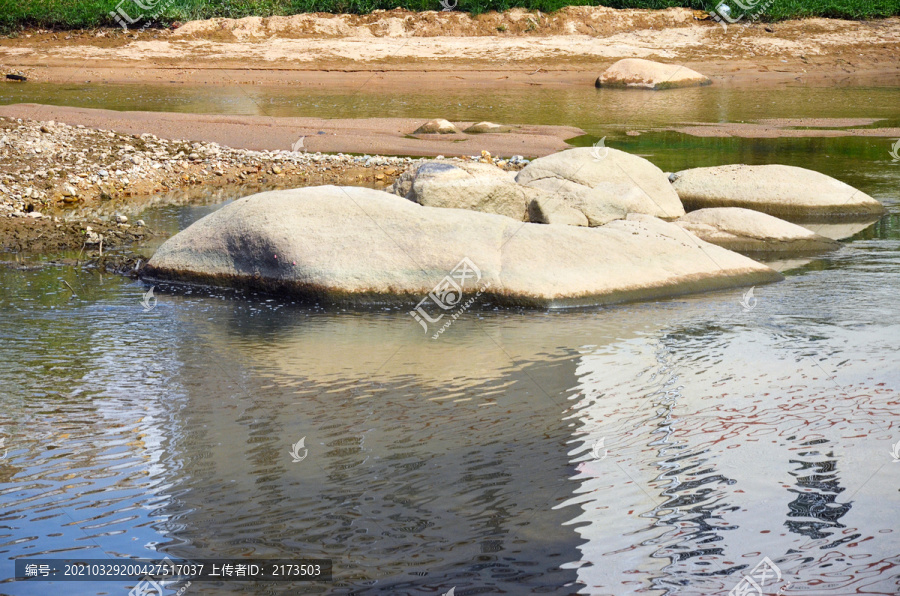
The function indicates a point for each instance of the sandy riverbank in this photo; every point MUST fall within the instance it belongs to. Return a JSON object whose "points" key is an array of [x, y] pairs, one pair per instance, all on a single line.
{"points": [[401, 50]]}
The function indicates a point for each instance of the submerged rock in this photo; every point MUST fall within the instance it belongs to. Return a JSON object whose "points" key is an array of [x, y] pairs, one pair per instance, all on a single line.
{"points": [[358, 245], [437, 126], [465, 185], [783, 191], [604, 186], [647, 74], [841, 229], [744, 230]]}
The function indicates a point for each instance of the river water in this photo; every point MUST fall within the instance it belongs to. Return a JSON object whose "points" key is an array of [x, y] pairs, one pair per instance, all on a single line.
{"points": [[656, 448]]}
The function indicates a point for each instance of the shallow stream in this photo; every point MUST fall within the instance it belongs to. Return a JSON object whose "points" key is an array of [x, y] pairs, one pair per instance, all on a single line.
{"points": [[657, 448]]}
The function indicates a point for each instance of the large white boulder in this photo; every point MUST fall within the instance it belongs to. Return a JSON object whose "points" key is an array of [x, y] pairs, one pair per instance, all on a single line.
{"points": [[358, 245], [647, 74], [605, 184], [744, 230], [783, 191], [463, 185]]}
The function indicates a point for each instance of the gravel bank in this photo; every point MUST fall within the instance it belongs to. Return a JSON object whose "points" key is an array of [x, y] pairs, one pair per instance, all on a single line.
{"points": [[75, 187]]}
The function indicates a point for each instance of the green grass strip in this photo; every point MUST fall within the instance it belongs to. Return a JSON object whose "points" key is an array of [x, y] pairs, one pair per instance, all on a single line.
{"points": [[83, 14]]}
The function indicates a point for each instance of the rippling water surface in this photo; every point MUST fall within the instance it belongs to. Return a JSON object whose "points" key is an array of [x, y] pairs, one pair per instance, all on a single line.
{"points": [[661, 448], [657, 448]]}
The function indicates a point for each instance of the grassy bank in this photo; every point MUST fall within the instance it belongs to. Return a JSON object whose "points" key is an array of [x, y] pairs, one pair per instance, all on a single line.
{"points": [[75, 14]]}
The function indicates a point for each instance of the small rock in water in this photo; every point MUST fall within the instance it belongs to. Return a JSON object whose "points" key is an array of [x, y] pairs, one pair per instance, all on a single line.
{"points": [[140, 223], [121, 219], [69, 191]]}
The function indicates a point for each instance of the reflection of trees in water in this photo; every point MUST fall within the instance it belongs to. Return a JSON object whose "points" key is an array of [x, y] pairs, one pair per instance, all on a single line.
{"points": [[814, 510], [694, 511], [693, 508]]}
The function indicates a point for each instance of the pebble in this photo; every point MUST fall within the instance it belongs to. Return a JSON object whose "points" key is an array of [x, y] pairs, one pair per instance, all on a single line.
{"points": [[121, 219]]}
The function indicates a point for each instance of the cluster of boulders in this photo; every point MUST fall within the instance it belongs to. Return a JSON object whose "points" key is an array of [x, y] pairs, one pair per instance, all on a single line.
{"points": [[580, 227], [734, 206]]}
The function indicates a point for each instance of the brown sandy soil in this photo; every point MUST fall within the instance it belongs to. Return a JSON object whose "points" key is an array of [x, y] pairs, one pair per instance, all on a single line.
{"points": [[383, 136], [398, 48]]}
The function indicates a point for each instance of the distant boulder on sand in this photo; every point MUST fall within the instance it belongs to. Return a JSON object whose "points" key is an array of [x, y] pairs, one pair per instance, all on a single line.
{"points": [[647, 74]]}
